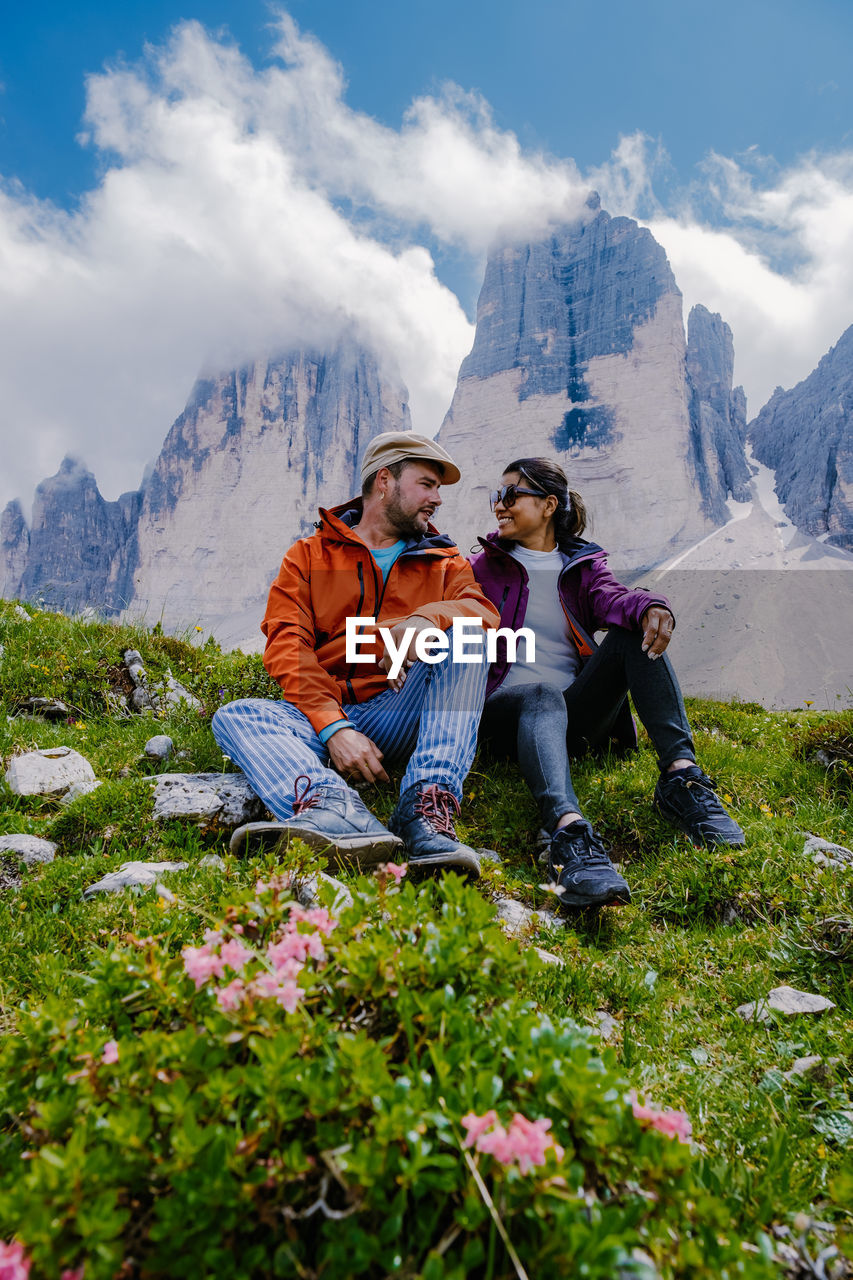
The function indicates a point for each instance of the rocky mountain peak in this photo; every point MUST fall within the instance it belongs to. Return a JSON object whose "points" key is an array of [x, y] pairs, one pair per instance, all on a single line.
{"points": [[806, 436], [580, 353]]}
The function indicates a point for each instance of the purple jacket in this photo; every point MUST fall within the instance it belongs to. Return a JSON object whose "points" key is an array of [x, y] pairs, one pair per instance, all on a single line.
{"points": [[591, 597]]}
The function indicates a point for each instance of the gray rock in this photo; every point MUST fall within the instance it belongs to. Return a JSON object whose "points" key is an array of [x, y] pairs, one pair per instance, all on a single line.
{"points": [[515, 918], [158, 696], [785, 1000], [548, 957], [806, 436], [308, 892], [212, 860], [813, 1067], [159, 747], [30, 850], [78, 789], [608, 1027], [48, 772], [21, 614], [46, 708], [488, 855], [826, 854], [131, 875], [213, 799]]}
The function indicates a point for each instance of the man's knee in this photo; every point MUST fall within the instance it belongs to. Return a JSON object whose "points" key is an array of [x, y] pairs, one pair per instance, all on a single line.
{"points": [[226, 717]]}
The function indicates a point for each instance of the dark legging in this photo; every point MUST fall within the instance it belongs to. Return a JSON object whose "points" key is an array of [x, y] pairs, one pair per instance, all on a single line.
{"points": [[541, 724]]}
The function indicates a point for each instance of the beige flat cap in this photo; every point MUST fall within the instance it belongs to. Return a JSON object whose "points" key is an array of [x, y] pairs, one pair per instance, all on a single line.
{"points": [[396, 446]]}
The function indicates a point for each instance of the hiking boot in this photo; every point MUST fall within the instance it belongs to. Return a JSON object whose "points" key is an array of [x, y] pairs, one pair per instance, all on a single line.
{"points": [[581, 870], [331, 819], [688, 798], [424, 818]]}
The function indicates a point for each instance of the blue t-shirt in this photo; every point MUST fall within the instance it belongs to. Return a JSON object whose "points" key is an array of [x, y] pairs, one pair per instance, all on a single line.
{"points": [[384, 557]]}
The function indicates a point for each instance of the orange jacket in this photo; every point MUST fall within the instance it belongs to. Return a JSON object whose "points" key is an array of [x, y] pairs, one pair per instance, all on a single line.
{"points": [[331, 576]]}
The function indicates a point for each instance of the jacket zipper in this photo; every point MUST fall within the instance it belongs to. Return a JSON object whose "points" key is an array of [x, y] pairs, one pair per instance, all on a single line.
{"points": [[351, 668]]}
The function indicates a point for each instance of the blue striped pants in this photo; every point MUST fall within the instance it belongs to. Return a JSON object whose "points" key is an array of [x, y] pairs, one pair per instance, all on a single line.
{"points": [[432, 722]]}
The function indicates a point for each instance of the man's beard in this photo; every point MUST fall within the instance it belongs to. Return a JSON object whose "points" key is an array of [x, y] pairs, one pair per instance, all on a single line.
{"points": [[402, 521]]}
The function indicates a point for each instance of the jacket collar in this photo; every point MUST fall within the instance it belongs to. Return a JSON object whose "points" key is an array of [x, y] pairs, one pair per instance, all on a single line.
{"points": [[579, 549], [339, 521]]}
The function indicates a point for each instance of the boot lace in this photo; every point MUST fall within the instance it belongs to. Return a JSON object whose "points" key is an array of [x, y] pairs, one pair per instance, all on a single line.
{"points": [[303, 801], [438, 807], [584, 848]]}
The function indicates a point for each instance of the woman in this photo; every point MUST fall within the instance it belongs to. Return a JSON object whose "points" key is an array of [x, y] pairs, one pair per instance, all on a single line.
{"points": [[541, 573]]}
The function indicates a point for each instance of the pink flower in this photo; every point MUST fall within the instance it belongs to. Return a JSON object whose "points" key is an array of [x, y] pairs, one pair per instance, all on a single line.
{"points": [[395, 869], [476, 1125], [285, 993], [232, 996], [14, 1264], [235, 954], [212, 937], [200, 964], [318, 916], [525, 1142], [73, 1274], [110, 1053], [675, 1124]]}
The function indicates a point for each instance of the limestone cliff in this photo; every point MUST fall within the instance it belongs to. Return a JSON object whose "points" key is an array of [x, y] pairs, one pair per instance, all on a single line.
{"points": [[79, 544], [806, 436], [14, 546], [242, 473], [717, 412], [580, 354]]}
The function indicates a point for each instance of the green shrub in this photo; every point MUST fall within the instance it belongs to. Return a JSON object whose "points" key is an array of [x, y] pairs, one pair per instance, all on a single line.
{"points": [[318, 1130]]}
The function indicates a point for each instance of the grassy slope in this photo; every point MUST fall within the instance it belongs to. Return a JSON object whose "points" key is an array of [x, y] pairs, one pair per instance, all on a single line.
{"points": [[707, 931]]}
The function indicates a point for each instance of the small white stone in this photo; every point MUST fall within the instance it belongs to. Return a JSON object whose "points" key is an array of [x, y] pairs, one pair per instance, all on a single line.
{"points": [[607, 1024], [43, 773], [159, 747], [78, 789], [516, 918], [133, 874], [212, 860], [21, 614], [30, 850], [785, 1000], [308, 895], [548, 957], [827, 854]]}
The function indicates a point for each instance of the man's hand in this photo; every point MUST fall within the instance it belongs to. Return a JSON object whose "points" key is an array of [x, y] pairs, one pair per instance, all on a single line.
{"points": [[658, 624], [354, 755], [397, 634]]}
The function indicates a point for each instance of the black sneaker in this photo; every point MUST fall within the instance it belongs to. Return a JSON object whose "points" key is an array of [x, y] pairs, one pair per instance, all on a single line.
{"points": [[331, 819], [583, 874], [688, 798], [424, 818]]}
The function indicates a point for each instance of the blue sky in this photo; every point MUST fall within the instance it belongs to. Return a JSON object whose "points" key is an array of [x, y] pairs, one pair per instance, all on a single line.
{"points": [[404, 139], [567, 77]]}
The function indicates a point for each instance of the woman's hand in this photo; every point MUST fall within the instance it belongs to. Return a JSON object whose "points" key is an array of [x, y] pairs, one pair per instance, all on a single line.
{"points": [[658, 625]]}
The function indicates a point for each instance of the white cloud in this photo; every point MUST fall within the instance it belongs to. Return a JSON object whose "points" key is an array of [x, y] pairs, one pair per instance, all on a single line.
{"points": [[771, 250], [243, 210]]}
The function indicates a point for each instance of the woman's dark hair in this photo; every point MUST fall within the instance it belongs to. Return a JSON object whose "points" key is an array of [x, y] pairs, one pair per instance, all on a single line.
{"points": [[570, 517]]}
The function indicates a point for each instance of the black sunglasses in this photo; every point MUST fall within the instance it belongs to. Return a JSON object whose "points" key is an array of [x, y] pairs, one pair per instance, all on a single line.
{"points": [[507, 495]]}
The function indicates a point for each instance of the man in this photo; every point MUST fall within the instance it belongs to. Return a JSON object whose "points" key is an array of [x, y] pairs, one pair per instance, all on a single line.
{"points": [[345, 714]]}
